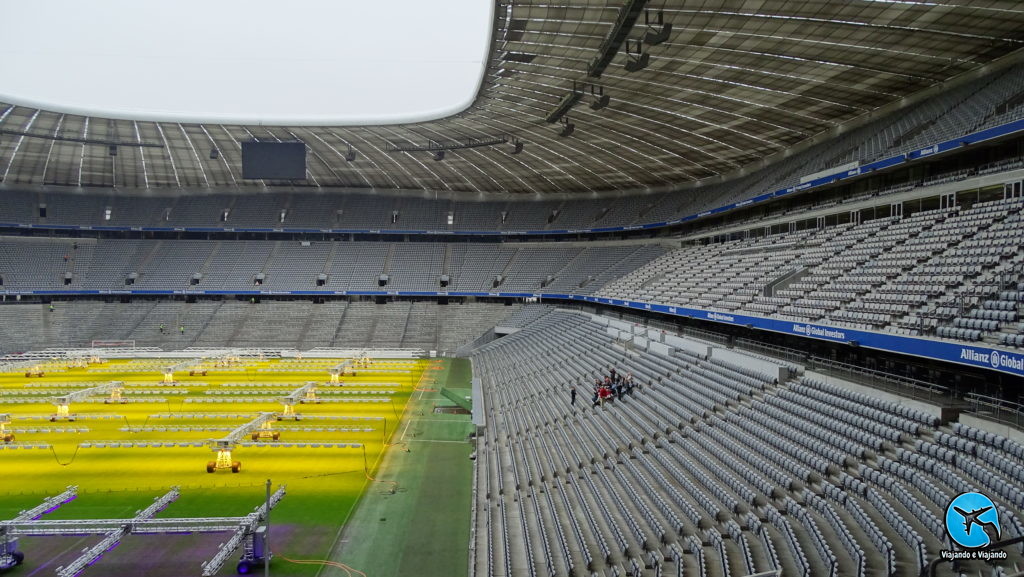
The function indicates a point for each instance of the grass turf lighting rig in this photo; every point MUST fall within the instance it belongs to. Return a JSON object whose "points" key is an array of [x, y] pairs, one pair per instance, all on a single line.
{"points": [[10, 556], [249, 533], [304, 394], [200, 365], [224, 446], [113, 538], [5, 421], [63, 403]]}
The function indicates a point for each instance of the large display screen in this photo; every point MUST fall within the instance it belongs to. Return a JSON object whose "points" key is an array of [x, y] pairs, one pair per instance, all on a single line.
{"points": [[274, 160]]}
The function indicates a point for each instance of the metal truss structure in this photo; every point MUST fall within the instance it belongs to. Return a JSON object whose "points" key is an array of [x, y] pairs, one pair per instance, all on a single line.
{"points": [[248, 532]]}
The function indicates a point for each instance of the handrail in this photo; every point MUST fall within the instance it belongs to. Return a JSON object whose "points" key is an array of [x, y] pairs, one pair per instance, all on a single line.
{"points": [[1000, 406], [914, 386]]}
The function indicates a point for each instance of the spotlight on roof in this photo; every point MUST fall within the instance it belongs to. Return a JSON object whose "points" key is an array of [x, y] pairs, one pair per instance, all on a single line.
{"points": [[600, 100], [636, 58], [567, 128], [112, 149], [439, 155], [658, 30], [517, 146], [214, 154], [350, 155], [638, 63]]}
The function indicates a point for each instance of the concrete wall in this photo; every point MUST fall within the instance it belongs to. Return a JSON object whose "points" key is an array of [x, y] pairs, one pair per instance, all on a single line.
{"points": [[660, 348], [621, 325], [776, 370], [694, 347]]}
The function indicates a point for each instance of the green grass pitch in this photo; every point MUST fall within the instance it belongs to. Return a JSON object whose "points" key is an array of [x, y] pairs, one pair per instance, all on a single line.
{"points": [[323, 484]]}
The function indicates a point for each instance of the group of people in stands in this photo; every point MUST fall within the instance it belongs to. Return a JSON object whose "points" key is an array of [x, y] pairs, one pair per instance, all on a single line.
{"points": [[614, 385]]}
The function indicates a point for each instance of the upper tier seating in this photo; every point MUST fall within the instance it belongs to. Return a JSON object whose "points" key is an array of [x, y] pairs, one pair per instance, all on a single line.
{"points": [[42, 264], [951, 273]]}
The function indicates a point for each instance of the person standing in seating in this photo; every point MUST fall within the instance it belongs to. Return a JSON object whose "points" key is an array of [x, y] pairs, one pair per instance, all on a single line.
{"points": [[182, 329], [51, 307], [163, 328], [572, 396]]}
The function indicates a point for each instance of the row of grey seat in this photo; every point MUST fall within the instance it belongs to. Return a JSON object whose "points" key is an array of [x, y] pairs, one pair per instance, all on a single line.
{"points": [[691, 453]]}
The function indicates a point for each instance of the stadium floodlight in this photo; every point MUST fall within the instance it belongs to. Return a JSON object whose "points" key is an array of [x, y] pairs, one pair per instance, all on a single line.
{"points": [[214, 154], [439, 155], [658, 31], [601, 99], [350, 155], [112, 149], [517, 146], [636, 59], [567, 128]]}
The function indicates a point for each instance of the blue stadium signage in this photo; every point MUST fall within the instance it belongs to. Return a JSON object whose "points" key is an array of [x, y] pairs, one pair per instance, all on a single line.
{"points": [[713, 316], [828, 333], [984, 357], [993, 358]]}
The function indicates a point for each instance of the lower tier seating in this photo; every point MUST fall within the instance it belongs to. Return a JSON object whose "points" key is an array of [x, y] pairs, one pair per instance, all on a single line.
{"points": [[698, 465]]}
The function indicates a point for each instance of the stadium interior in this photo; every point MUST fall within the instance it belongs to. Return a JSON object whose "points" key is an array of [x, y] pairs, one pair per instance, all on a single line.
{"points": [[689, 289]]}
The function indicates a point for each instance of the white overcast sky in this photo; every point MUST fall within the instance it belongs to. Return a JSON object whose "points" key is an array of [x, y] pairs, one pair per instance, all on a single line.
{"points": [[321, 62]]}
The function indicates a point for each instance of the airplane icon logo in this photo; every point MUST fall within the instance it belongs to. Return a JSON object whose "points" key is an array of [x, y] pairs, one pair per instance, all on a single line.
{"points": [[972, 521]]}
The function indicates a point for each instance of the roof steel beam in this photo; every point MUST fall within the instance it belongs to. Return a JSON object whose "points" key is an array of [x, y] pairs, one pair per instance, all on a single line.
{"points": [[628, 15]]}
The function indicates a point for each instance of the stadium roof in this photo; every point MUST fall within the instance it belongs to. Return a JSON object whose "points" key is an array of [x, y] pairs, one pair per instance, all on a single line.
{"points": [[732, 82]]}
